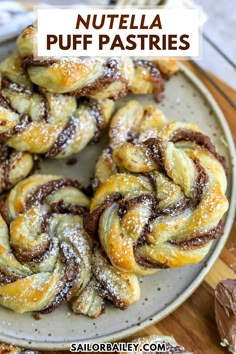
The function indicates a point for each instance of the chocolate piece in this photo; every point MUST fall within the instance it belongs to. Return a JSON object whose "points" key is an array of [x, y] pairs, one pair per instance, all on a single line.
{"points": [[225, 312], [72, 161]]}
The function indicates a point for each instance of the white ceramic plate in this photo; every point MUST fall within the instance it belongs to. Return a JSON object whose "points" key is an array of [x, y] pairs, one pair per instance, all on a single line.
{"points": [[186, 99]]}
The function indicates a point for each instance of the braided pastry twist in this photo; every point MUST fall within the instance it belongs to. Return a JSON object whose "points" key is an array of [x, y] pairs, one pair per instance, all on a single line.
{"points": [[46, 256], [14, 166], [133, 121], [93, 77], [43, 123], [170, 210], [107, 282]]}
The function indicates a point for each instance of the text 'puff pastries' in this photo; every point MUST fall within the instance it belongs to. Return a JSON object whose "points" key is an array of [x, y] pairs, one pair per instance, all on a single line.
{"points": [[93, 77], [166, 206], [36, 121], [46, 256]]}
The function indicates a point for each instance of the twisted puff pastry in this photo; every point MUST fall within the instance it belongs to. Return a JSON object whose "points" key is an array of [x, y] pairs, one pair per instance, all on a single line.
{"points": [[170, 210], [14, 166], [46, 256], [93, 77], [132, 121], [40, 122]]}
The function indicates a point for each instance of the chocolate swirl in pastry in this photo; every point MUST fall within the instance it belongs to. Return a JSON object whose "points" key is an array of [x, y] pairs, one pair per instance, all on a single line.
{"points": [[166, 208], [14, 166], [107, 282], [46, 255], [132, 122], [43, 123], [93, 77]]}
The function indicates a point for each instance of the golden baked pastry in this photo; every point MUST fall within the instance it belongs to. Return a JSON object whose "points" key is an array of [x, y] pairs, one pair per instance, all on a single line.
{"points": [[172, 347], [107, 282], [43, 123], [14, 166], [166, 207], [46, 257], [132, 121], [93, 77]]}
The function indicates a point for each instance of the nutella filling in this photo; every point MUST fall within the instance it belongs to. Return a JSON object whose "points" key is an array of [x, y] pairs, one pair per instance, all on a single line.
{"points": [[64, 208], [199, 239], [155, 150], [126, 205], [15, 87], [200, 183], [4, 211], [5, 155], [24, 254], [43, 191], [63, 139], [23, 124], [157, 80], [199, 139], [96, 113], [5, 103], [67, 281], [31, 60], [91, 221], [6, 276], [111, 73], [147, 263]]}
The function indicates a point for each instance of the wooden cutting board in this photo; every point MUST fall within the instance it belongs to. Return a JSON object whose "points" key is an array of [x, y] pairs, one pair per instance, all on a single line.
{"points": [[193, 323]]}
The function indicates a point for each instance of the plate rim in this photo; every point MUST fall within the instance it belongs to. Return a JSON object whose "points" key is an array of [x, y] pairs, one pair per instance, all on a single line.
{"points": [[200, 276]]}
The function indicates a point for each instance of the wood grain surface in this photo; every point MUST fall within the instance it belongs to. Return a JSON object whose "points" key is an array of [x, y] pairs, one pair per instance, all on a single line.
{"points": [[193, 323]]}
